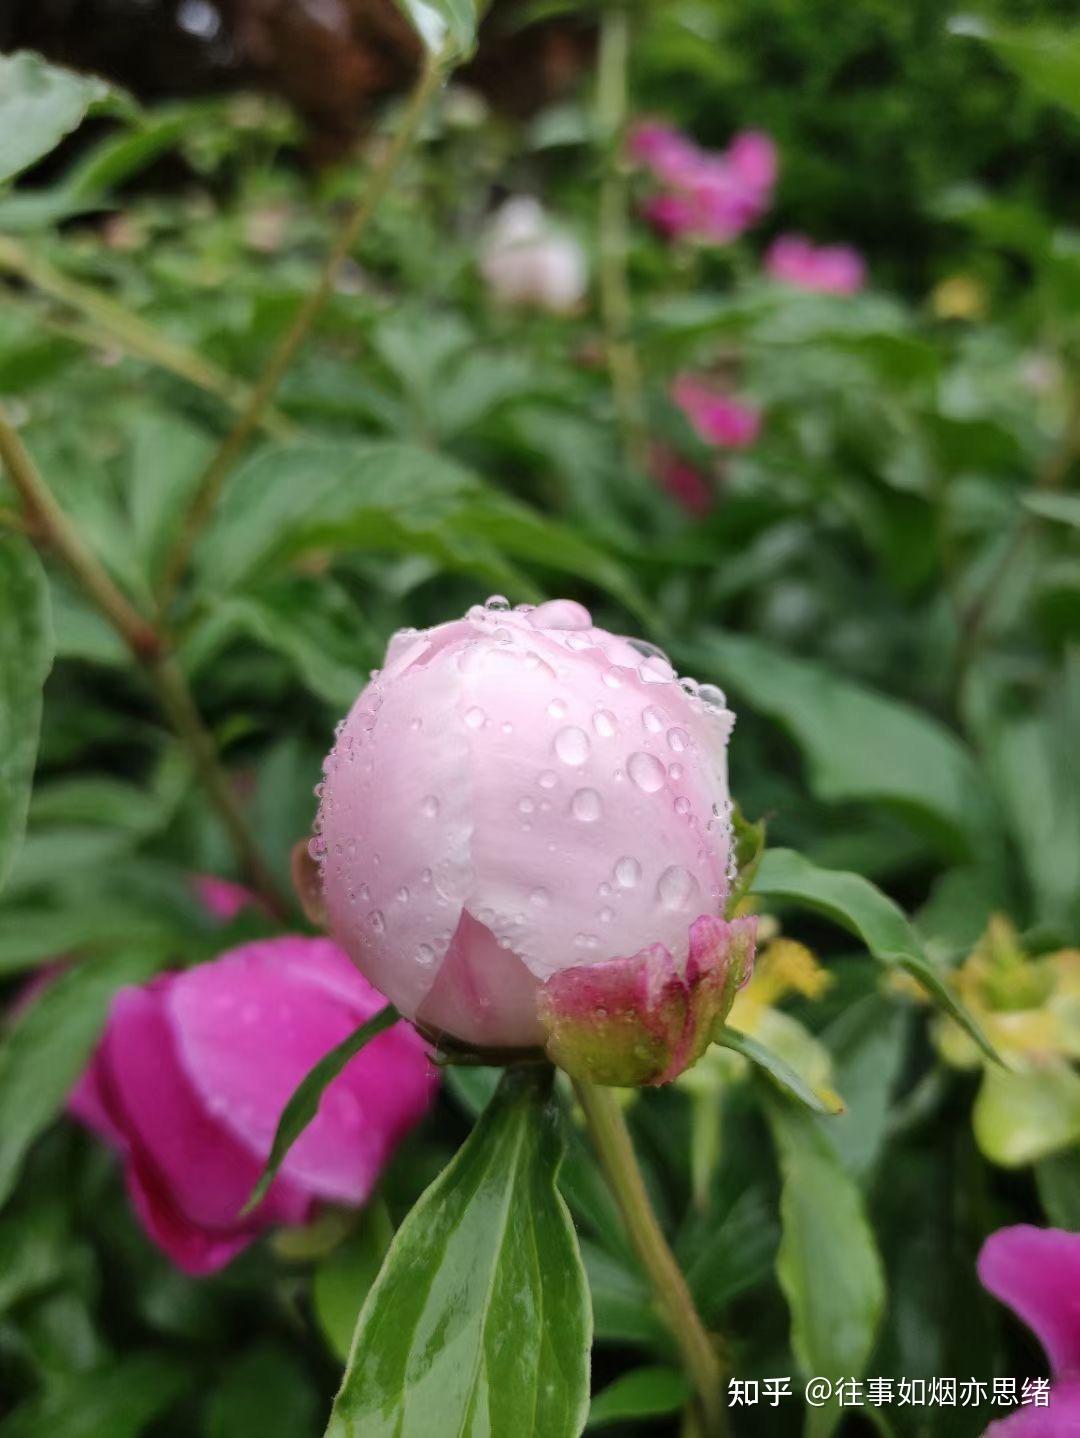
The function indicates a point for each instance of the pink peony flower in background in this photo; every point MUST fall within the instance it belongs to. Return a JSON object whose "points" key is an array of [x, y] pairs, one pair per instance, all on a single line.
{"points": [[193, 1072], [222, 898], [827, 269], [1036, 1271], [708, 196], [718, 418], [526, 260], [686, 485], [519, 796]]}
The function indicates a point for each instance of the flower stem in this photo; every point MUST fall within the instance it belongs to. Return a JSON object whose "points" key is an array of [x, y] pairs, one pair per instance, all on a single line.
{"points": [[615, 308], [615, 1149], [52, 528], [249, 419]]}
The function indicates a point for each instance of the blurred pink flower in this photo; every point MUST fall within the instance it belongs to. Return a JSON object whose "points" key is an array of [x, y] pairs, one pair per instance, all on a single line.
{"points": [[686, 485], [709, 196], [828, 269], [1036, 1271], [718, 418], [193, 1072], [222, 898]]}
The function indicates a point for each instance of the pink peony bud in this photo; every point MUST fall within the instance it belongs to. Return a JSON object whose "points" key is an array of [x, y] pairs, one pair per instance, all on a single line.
{"points": [[718, 418], [222, 898], [195, 1068], [828, 269], [526, 260], [687, 486], [523, 811]]}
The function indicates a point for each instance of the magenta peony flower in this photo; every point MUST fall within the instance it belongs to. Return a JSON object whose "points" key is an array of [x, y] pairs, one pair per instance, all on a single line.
{"points": [[687, 486], [527, 260], [718, 418], [1036, 1271], [195, 1068], [828, 269], [708, 196], [519, 799]]}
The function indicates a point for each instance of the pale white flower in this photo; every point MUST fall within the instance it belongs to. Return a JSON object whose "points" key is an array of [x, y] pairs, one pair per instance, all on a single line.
{"points": [[526, 259]]}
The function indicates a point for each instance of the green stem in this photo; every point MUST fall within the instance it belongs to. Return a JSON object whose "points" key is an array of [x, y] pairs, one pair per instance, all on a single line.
{"points": [[50, 526], [115, 323], [615, 1149], [236, 441], [615, 306]]}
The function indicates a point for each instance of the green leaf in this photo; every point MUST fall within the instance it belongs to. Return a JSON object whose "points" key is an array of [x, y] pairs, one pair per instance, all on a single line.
{"points": [[859, 745], [49, 1046], [264, 1393], [1046, 57], [304, 1104], [733, 1253], [867, 1042], [167, 457], [1021, 1117], [344, 1278], [446, 28], [1033, 763], [776, 1069], [828, 1264], [1058, 1182], [1062, 508], [480, 1320], [26, 651], [40, 104], [116, 1402], [856, 905], [644, 1393], [288, 501]]}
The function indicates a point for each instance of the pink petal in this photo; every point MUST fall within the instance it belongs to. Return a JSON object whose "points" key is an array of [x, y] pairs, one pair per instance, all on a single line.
{"points": [[1059, 1419], [206, 1173], [1036, 1271], [484, 994], [250, 1026], [194, 1250]]}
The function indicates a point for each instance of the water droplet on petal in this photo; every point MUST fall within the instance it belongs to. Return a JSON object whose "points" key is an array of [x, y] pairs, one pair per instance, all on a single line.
{"points": [[712, 696], [676, 887], [572, 745], [654, 719], [525, 806], [646, 771], [627, 872], [682, 806], [557, 709], [498, 602], [429, 806], [612, 678], [548, 779], [540, 897], [475, 717], [605, 724], [586, 806], [677, 739]]}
